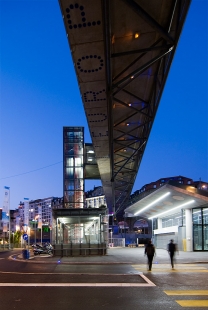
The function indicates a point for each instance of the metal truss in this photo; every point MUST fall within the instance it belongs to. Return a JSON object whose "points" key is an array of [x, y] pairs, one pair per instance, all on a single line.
{"points": [[129, 124]]}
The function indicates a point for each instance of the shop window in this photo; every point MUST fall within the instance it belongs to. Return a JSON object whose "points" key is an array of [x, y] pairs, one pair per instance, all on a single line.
{"points": [[197, 217]]}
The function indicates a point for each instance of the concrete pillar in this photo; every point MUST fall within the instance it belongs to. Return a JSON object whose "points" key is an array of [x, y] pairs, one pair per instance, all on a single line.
{"points": [[159, 223], [189, 230]]}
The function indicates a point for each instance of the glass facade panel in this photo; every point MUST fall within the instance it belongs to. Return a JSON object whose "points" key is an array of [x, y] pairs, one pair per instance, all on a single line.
{"points": [[173, 220], [197, 217], [78, 161], [69, 162], [73, 140], [79, 172], [205, 237], [205, 216], [69, 185], [69, 172], [200, 228], [197, 237]]}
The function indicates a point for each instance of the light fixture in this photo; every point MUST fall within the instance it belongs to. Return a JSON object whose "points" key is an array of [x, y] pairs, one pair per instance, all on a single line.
{"points": [[132, 76], [129, 104], [127, 124], [152, 203], [180, 206], [136, 35], [90, 152]]}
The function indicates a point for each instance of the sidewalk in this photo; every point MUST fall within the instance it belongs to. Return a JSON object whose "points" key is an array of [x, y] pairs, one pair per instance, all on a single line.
{"points": [[118, 256]]}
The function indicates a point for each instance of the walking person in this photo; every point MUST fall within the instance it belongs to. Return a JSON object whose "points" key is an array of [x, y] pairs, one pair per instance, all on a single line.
{"points": [[172, 248], [150, 252]]}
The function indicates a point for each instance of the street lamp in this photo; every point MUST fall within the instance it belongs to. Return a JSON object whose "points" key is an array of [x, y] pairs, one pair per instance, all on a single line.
{"points": [[9, 231], [35, 228]]}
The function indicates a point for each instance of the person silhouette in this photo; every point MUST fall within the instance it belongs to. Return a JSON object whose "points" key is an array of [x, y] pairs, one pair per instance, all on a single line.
{"points": [[150, 252], [172, 248]]}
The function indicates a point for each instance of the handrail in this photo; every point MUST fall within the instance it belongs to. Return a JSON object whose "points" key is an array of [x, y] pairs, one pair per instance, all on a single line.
{"points": [[62, 249]]}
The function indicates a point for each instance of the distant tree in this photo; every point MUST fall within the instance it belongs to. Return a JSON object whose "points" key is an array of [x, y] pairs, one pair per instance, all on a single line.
{"points": [[17, 237]]}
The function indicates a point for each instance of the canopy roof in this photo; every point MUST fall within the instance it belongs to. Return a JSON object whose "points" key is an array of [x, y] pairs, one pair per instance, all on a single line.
{"points": [[168, 199]]}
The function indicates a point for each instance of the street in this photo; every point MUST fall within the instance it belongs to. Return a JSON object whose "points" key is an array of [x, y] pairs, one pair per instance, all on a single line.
{"points": [[69, 283]]}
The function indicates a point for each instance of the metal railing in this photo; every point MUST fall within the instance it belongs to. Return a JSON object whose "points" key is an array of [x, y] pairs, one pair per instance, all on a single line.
{"points": [[79, 249], [116, 242]]}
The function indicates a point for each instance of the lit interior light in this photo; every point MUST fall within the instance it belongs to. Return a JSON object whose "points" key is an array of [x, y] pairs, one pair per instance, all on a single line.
{"points": [[127, 124], [180, 206], [132, 76], [152, 203], [124, 150], [90, 152], [136, 35], [129, 104], [90, 159]]}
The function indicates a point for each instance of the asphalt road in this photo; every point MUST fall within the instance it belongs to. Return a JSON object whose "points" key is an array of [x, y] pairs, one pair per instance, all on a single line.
{"points": [[57, 285]]}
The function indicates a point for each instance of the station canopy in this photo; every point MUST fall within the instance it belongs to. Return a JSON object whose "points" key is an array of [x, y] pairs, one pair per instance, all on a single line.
{"points": [[168, 199], [122, 51]]}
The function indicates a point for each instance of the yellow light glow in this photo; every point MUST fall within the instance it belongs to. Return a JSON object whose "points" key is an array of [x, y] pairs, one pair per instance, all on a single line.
{"points": [[136, 35]]}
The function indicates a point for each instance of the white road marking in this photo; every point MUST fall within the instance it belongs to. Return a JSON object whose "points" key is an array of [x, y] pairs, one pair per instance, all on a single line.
{"points": [[147, 283], [147, 280], [77, 284], [71, 273]]}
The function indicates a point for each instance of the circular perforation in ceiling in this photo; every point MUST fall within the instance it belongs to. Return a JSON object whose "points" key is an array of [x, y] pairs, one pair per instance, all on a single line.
{"points": [[83, 20], [97, 117], [90, 64], [91, 96]]}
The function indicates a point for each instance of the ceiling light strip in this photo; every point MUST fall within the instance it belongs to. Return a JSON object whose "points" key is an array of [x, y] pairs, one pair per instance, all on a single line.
{"points": [[152, 203], [180, 206]]}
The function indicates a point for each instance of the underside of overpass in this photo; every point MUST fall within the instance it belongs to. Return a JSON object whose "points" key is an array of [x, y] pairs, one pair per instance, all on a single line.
{"points": [[122, 51]]}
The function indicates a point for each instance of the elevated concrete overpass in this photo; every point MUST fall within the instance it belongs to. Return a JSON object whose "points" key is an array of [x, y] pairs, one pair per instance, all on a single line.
{"points": [[122, 52]]}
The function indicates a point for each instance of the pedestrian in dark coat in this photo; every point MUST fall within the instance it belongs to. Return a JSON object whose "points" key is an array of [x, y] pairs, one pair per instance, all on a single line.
{"points": [[172, 248], [150, 252]]}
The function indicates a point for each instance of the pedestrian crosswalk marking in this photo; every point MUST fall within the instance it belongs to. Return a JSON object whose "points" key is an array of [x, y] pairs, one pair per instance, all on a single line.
{"points": [[185, 292], [193, 303], [189, 303], [168, 268]]}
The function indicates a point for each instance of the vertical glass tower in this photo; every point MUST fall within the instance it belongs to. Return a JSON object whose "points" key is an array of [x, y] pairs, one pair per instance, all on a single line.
{"points": [[73, 138], [78, 230]]}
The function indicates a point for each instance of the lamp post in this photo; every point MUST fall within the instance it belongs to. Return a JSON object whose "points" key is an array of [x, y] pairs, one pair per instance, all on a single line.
{"points": [[9, 230], [35, 228], [12, 239]]}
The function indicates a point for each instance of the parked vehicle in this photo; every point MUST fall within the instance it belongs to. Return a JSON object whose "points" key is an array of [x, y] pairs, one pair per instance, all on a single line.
{"points": [[38, 249]]}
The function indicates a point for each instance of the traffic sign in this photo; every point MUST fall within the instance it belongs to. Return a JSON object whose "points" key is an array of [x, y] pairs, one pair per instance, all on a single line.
{"points": [[25, 237]]}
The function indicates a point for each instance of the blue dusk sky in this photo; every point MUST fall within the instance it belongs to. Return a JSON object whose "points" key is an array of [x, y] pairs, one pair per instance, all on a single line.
{"points": [[39, 95]]}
